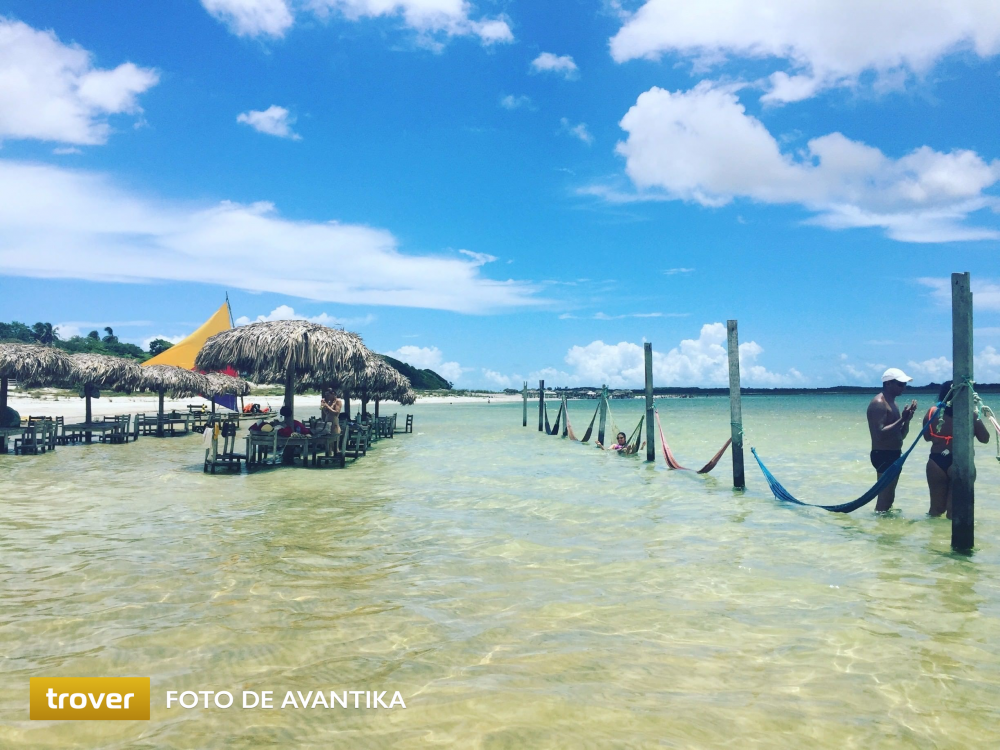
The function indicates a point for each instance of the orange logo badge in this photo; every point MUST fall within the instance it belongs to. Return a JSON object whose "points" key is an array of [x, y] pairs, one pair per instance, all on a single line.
{"points": [[90, 698]]}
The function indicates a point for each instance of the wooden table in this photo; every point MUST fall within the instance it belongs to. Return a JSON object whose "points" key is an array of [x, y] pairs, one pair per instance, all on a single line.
{"points": [[168, 422], [268, 448], [90, 427], [6, 432]]}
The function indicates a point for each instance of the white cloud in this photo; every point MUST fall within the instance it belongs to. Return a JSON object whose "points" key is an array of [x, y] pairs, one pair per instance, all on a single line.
{"points": [[73, 328], [429, 18], [985, 292], [51, 91], [510, 101], [702, 361], [605, 316], [285, 312], [986, 366], [560, 64], [252, 17], [577, 131], [498, 379], [479, 259], [701, 145], [61, 223], [675, 271], [428, 358], [274, 120], [820, 43]]}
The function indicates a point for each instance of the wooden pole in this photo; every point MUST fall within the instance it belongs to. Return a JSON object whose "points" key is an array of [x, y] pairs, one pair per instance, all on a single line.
{"points": [[3, 397], [290, 396], [347, 404], [736, 406], [524, 393], [159, 420], [541, 406], [565, 425], [963, 470], [650, 440], [604, 414], [376, 408], [89, 413]]}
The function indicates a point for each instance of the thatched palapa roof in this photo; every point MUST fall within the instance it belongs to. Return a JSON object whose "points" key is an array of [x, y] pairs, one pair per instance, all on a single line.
{"points": [[175, 381], [220, 384], [102, 371], [266, 352], [34, 365]]}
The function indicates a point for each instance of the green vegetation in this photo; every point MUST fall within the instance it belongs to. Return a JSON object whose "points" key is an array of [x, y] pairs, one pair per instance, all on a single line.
{"points": [[420, 380], [93, 342]]}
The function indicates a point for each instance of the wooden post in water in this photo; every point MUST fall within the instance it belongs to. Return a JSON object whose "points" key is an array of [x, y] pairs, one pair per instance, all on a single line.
{"points": [[735, 406], [963, 470], [159, 418], [604, 415], [650, 440], [541, 406], [565, 424], [524, 395]]}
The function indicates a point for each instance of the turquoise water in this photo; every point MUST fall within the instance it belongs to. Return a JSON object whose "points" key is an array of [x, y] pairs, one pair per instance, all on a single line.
{"points": [[519, 590]]}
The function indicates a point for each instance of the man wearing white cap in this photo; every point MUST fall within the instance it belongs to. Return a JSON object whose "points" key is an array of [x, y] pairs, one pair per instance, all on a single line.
{"points": [[888, 428]]}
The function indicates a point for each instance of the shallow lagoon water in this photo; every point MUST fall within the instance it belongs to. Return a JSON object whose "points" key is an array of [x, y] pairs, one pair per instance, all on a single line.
{"points": [[519, 590]]}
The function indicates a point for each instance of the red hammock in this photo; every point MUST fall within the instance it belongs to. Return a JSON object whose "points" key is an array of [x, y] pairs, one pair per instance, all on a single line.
{"points": [[672, 463]]}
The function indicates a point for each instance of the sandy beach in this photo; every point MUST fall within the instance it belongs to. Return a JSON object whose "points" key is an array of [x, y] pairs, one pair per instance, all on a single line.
{"points": [[51, 403]]}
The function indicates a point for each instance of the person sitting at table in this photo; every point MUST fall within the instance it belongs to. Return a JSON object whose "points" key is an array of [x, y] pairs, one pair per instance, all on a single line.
{"points": [[296, 427]]}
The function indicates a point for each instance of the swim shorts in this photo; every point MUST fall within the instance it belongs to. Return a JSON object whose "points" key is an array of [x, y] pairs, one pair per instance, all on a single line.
{"points": [[882, 460]]}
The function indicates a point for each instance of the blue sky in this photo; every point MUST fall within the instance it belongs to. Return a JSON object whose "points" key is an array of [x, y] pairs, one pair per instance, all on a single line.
{"points": [[513, 190]]}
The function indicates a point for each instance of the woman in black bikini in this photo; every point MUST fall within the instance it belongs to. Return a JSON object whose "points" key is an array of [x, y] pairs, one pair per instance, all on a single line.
{"points": [[939, 462]]}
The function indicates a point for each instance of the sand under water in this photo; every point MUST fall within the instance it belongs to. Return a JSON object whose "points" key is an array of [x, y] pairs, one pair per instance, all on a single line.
{"points": [[518, 590]]}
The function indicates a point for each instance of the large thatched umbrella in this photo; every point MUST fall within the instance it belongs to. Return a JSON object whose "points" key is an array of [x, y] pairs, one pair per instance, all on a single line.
{"points": [[32, 365], [291, 352], [384, 382], [92, 372], [220, 384], [176, 381]]}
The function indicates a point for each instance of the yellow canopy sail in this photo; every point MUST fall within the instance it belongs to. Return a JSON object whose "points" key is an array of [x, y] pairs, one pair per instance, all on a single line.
{"points": [[182, 353]]}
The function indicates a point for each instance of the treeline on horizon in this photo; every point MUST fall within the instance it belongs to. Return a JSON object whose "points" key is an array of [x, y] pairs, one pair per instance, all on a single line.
{"points": [[94, 343], [699, 391]]}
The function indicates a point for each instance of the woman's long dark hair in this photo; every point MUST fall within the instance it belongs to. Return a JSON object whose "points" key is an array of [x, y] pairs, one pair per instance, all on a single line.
{"points": [[943, 394]]}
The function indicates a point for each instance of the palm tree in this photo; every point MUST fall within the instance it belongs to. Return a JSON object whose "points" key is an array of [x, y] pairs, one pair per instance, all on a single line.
{"points": [[110, 338], [94, 335], [44, 333]]}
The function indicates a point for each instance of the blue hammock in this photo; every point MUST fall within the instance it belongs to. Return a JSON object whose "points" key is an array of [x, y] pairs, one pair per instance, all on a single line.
{"points": [[890, 476]]}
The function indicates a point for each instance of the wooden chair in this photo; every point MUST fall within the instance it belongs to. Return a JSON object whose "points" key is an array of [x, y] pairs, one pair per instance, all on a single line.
{"points": [[227, 457], [409, 424], [29, 442]]}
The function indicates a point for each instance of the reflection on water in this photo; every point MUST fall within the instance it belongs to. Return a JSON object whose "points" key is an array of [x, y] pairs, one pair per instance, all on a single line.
{"points": [[517, 589]]}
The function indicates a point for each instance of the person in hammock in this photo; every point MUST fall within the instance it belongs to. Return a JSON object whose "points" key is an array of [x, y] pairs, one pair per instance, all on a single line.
{"points": [[939, 462], [888, 427], [621, 445]]}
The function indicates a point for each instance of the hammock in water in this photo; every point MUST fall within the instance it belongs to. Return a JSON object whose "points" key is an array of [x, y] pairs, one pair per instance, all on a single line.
{"points": [[632, 442], [552, 430], [672, 462], [890, 476], [590, 428]]}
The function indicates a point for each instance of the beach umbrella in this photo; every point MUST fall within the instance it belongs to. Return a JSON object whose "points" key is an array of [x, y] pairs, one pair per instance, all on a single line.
{"points": [[91, 372], [291, 352], [31, 365], [176, 381], [220, 384]]}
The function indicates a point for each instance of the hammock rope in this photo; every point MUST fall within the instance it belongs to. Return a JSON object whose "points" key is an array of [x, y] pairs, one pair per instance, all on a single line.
{"points": [[674, 464], [890, 475], [590, 427]]}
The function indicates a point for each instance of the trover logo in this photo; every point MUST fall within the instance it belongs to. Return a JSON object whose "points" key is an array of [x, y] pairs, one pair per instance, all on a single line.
{"points": [[90, 698]]}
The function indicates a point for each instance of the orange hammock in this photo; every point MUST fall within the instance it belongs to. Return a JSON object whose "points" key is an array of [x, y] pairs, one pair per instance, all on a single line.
{"points": [[672, 463]]}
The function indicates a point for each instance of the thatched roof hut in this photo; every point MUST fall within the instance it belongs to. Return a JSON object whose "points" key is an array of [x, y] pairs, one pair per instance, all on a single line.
{"points": [[291, 352], [34, 364], [31, 365], [220, 384], [94, 371], [103, 371], [173, 381]]}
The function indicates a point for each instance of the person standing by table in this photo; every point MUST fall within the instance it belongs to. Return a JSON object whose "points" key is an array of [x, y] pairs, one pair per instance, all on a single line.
{"points": [[330, 406]]}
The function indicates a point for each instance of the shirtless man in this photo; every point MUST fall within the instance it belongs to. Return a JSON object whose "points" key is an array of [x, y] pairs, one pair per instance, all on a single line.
{"points": [[888, 427]]}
